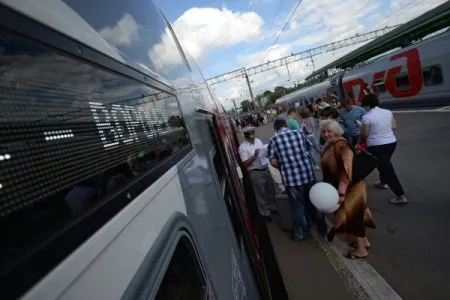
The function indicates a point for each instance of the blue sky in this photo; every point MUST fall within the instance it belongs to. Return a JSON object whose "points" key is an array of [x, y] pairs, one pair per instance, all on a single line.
{"points": [[223, 35]]}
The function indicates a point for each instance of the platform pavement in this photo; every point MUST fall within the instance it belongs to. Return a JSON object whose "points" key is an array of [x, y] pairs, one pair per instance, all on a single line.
{"points": [[410, 244]]}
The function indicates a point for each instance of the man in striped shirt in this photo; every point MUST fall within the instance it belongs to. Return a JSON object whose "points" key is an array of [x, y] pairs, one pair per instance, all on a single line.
{"points": [[287, 151]]}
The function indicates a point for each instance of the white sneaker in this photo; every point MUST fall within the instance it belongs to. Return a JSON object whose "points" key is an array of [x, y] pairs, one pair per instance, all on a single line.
{"points": [[380, 185], [399, 200]]}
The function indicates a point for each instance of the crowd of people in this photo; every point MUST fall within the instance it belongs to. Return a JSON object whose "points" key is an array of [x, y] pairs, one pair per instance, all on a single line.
{"points": [[254, 119], [342, 131]]}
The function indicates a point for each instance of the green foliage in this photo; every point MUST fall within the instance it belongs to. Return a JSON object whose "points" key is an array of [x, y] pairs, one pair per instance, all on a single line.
{"points": [[247, 106]]}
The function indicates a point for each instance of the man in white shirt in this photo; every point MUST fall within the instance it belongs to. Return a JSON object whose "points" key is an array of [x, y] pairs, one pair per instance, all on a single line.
{"points": [[253, 154]]}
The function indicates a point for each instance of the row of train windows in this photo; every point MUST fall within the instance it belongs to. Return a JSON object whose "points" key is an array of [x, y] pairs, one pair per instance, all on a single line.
{"points": [[432, 75]]}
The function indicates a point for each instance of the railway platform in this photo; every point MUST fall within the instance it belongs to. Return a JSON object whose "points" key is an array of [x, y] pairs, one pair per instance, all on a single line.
{"points": [[408, 259]]}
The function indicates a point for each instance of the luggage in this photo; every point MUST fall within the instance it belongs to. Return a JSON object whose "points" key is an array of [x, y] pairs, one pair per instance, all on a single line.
{"points": [[284, 211]]}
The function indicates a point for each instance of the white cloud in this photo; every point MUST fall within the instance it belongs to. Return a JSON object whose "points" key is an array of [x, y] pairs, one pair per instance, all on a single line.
{"points": [[273, 52], [165, 54], [124, 33], [202, 30], [406, 10], [312, 39]]}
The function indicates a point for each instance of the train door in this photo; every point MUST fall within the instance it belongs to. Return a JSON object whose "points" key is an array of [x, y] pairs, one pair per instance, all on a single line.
{"points": [[225, 165]]}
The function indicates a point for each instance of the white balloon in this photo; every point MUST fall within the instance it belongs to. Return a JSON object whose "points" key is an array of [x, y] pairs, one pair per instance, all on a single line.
{"points": [[324, 197]]}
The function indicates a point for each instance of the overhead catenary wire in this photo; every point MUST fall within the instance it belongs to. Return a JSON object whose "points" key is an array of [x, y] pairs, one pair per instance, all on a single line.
{"points": [[276, 12], [284, 27], [273, 20]]}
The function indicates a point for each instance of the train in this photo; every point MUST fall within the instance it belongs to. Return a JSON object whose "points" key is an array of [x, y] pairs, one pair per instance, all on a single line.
{"points": [[414, 76], [119, 171]]}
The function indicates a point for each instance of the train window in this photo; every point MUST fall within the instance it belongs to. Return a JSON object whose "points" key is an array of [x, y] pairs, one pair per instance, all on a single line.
{"points": [[379, 85], [77, 144], [402, 81], [184, 279], [177, 42], [432, 75]]}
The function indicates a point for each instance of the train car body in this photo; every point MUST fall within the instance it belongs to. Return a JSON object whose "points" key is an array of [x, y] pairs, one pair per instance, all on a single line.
{"points": [[417, 75], [304, 96], [117, 174]]}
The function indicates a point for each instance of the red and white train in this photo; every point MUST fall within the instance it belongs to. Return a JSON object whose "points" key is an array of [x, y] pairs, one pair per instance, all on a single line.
{"points": [[417, 75]]}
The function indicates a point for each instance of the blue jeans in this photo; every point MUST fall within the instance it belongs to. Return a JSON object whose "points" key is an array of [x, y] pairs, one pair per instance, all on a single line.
{"points": [[303, 210]]}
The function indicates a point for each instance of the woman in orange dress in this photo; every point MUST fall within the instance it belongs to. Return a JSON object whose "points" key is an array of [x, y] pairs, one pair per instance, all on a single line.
{"points": [[353, 215]]}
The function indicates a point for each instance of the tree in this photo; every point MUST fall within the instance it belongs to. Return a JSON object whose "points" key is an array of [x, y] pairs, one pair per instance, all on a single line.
{"points": [[247, 106], [274, 97], [280, 90]]}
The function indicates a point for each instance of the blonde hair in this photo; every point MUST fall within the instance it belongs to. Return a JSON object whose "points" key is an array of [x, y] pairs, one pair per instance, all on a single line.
{"points": [[332, 125]]}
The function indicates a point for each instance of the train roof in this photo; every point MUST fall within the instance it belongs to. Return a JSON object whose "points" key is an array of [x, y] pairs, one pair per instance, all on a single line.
{"points": [[302, 91]]}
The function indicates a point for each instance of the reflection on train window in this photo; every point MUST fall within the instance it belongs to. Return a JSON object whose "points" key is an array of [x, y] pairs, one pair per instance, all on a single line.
{"points": [[73, 137], [183, 279], [432, 75], [379, 85], [402, 81], [175, 38]]}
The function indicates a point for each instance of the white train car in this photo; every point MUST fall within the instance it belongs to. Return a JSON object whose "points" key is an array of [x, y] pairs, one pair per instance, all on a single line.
{"points": [[305, 96], [118, 171], [415, 75]]}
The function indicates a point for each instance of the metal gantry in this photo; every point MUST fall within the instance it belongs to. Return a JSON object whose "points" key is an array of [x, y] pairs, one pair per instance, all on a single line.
{"points": [[308, 54]]}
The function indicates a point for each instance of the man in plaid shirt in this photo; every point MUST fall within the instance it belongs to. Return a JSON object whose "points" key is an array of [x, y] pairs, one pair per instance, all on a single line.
{"points": [[288, 151]]}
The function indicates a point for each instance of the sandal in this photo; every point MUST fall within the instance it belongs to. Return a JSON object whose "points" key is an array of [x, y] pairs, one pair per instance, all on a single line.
{"points": [[353, 245], [351, 255]]}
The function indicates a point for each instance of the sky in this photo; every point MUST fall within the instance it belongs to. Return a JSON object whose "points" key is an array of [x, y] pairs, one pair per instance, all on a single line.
{"points": [[223, 35]]}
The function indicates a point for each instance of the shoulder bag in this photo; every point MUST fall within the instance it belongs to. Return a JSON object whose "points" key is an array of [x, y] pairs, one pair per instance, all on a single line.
{"points": [[363, 163]]}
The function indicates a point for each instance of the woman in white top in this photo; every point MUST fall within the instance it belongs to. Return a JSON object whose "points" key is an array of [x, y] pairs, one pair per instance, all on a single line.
{"points": [[381, 142]]}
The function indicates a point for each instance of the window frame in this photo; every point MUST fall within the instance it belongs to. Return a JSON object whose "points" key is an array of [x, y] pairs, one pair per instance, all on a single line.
{"points": [[428, 69], [402, 76], [380, 82], [193, 253], [148, 278]]}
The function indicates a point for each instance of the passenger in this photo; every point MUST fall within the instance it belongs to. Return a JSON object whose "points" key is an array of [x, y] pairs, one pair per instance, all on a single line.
{"points": [[319, 107], [381, 142], [321, 104], [353, 214], [287, 151], [292, 119], [333, 114], [257, 165], [309, 129], [350, 115]]}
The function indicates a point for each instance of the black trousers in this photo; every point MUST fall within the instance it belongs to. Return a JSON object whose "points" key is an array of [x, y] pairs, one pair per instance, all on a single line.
{"points": [[385, 167]]}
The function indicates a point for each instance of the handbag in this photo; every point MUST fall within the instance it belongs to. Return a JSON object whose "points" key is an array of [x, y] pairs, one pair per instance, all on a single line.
{"points": [[363, 164]]}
